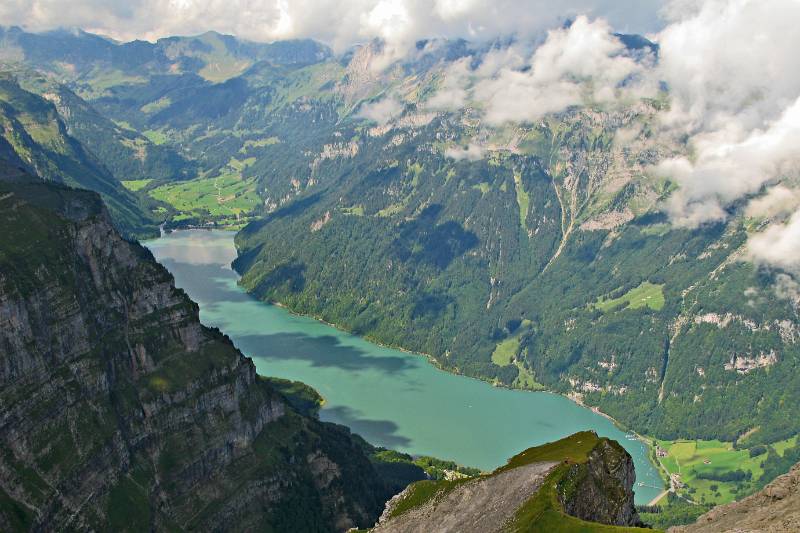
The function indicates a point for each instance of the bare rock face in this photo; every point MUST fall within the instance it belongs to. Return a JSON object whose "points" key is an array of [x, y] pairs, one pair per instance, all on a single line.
{"points": [[475, 506], [601, 490], [775, 509], [120, 411]]}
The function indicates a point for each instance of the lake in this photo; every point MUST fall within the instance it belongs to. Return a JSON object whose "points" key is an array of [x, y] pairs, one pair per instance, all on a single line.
{"points": [[391, 398]]}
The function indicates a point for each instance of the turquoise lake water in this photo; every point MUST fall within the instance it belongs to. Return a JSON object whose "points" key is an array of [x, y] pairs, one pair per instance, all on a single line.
{"points": [[391, 398]]}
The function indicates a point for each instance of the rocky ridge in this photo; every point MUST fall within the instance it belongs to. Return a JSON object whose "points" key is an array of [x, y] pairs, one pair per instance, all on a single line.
{"points": [[119, 410], [580, 483]]}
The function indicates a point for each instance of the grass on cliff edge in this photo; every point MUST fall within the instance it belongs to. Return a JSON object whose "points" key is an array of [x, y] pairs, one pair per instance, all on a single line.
{"points": [[543, 511]]}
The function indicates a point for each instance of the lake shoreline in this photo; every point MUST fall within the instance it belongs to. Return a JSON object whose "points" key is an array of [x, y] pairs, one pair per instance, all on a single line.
{"points": [[372, 425], [436, 364]]}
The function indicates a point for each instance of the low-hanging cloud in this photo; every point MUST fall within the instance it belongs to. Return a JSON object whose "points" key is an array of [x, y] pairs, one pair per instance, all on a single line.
{"points": [[731, 69], [584, 62], [452, 93], [778, 245], [776, 202], [339, 23], [381, 111], [471, 152], [738, 100]]}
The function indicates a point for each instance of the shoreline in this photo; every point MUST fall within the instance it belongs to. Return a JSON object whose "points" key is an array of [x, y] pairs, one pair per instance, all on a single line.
{"points": [[646, 442], [435, 363]]}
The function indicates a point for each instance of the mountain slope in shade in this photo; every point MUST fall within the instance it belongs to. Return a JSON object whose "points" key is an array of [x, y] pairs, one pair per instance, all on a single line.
{"points": [[83, 57], [32, 127]]}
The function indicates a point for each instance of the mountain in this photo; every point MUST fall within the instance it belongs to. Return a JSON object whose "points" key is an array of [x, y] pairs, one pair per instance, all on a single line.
{"points": [[89, 59], [580, 483], [532, 254], [545, 262], [776, 508], [121, 411], [128, 155], [32, 128]]}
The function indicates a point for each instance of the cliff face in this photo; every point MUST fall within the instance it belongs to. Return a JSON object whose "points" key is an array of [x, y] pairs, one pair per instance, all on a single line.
{"points": [[119, 410], [580, 483], [601, 489], [775, 509]]}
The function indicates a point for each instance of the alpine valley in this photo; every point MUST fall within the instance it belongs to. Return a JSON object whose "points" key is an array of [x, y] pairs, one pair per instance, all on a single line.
{"points": [[390, 198]]}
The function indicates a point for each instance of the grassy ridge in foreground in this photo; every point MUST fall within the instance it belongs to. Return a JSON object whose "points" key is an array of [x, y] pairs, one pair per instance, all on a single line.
{"points": [[543, 512]]}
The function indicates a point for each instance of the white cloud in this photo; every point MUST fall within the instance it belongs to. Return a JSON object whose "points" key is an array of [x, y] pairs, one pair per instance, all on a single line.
{"points": [[584, 62], [779, 200], [381, 111], [786, 288], [472, 152], [735, 91], [729, 164], [452, 93], [337, 22], [778, 245]]}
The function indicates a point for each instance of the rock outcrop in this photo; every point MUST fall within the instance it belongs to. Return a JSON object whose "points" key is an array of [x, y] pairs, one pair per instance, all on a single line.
{"points": [[601, 489], [120, 411], [775, 509], [580, 483]]}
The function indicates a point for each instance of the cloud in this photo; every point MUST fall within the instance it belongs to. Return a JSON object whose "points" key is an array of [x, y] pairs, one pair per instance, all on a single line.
{"points": [[737, 99], [337, 22], [472, 152], [381, 111], [584, 62], [777, 245], [786, 288], [452, 93], [778, 201], [729, 164]]}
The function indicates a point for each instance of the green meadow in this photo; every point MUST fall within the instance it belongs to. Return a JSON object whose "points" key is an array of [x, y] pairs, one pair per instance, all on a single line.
{"points": [[703, 466], [645, 295]]}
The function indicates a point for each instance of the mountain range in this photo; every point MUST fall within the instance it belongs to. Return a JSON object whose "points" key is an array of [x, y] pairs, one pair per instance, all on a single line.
{"points": [[534, 254]]}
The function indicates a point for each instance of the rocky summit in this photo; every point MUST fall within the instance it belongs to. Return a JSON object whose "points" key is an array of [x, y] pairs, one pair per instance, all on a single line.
{"points": [[576, 484]]}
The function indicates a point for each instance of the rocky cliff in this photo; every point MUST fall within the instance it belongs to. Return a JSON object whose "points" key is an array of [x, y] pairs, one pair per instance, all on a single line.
{"points": [[580, 483], [774, 509], [120, 411]]}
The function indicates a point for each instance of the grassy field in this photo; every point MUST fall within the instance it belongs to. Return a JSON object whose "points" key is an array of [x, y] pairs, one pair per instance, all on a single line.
{"points": [[693, 458], [505, 354], [260, 143], [483, 187], [542, 512], [156, 136], [357, 210], [523, 199], [225, 197], [158, 105], [135, 185], [645, 295], [505, 351]]}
